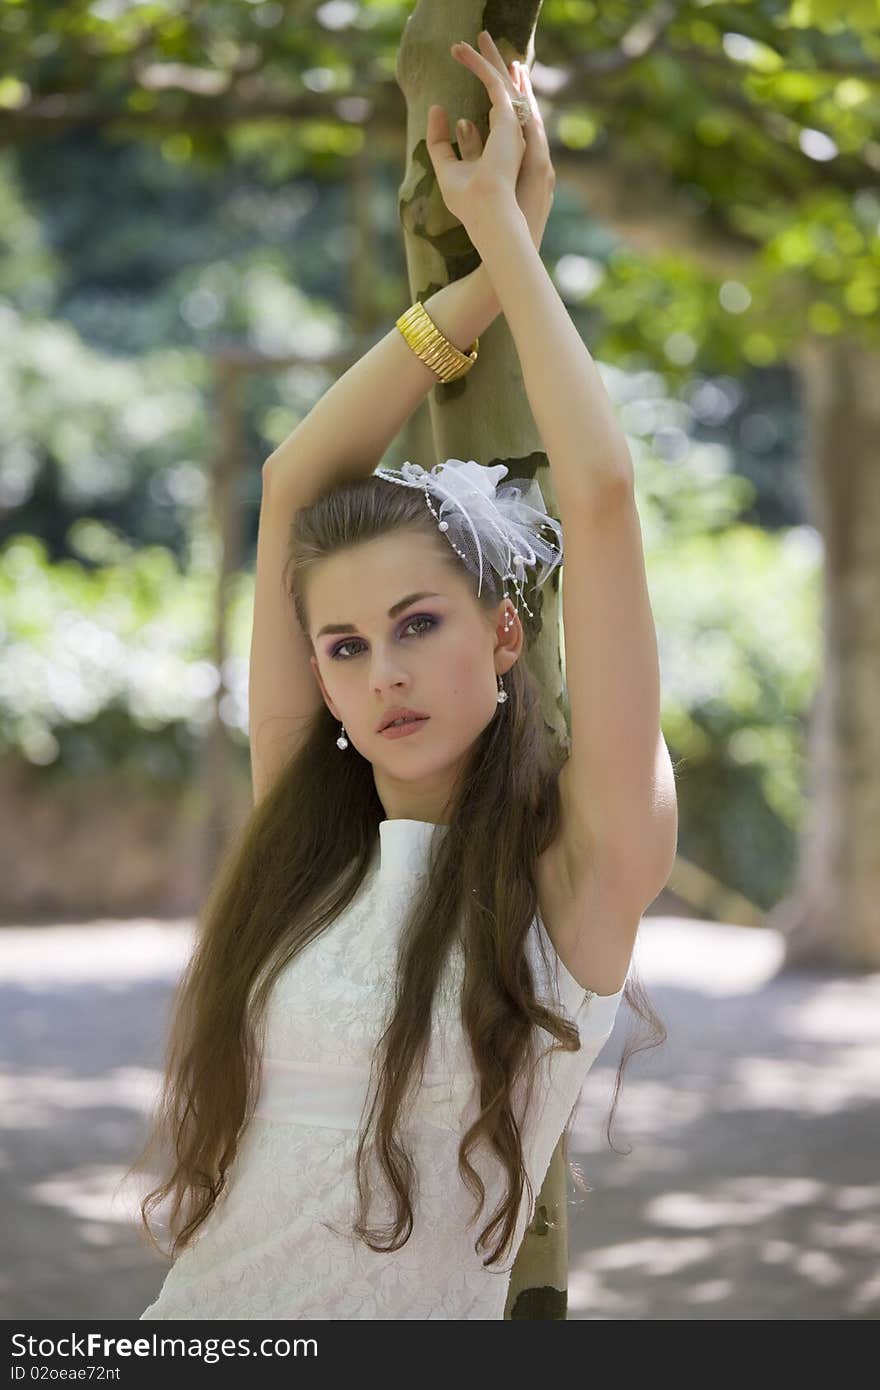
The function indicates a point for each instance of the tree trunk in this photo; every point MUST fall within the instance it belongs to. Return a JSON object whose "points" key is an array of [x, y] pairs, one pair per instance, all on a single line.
{"points": [[831, 917], [485, 416]]}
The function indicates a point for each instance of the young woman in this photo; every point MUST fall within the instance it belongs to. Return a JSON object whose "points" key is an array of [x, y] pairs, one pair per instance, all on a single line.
{"points": [[419, 944]]}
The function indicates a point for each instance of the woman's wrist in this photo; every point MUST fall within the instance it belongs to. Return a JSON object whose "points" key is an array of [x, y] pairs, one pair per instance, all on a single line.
{"points": [[465, 308], [501, 223], [481, 286]]}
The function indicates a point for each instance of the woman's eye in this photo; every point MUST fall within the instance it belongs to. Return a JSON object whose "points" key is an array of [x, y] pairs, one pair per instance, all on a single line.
{"points": [[336, 655]]}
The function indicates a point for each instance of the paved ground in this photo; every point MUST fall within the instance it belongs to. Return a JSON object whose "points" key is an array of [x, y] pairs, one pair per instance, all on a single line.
{"points": [[746, 1183]]}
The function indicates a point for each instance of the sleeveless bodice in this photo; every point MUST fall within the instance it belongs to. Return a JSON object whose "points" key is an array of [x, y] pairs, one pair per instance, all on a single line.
{"points": [[264, 1251]]}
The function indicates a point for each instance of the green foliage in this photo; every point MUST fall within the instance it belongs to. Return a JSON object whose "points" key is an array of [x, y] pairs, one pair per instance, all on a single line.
{"points": [[739, 632], [757, 112], [179, 176], [107, 661], [107, 382]]}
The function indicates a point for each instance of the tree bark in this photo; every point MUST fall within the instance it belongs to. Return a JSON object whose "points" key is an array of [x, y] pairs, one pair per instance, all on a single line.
{"points": [[485, 416], [831, 916]]}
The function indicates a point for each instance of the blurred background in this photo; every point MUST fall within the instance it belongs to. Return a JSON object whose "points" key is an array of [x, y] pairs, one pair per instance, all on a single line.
{"points": [[199, 230]]}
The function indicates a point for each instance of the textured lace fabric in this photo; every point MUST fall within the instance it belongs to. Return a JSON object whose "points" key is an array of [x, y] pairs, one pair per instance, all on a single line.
{"points": [[264, 1250]]}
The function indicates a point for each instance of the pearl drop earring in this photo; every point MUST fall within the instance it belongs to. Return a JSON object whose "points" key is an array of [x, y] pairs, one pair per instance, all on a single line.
{"points": [[342, 741], [508, 624]]}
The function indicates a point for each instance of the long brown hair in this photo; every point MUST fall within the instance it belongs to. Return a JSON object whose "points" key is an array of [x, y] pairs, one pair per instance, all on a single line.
{"points": [[284, 881]]}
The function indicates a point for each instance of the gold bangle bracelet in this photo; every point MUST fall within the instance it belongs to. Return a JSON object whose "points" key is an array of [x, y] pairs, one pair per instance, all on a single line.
{"points": [[432, 347]]}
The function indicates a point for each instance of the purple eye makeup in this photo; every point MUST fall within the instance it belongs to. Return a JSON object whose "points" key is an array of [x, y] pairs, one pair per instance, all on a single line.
{"points": [[338, 653]]}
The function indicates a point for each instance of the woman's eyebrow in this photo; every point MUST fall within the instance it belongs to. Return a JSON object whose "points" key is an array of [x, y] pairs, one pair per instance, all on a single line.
{"points": [[392, 612]]}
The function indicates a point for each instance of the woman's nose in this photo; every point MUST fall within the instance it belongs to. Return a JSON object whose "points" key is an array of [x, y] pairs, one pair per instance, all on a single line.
{"points": [[388, 676]]}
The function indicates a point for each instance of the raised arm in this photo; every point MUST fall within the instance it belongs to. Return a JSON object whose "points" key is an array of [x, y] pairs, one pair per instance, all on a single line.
{"points": [[346, 432], [618, 786], [618, 783]]}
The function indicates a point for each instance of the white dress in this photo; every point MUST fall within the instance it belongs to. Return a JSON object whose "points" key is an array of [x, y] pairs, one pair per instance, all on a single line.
{"points": [[263, 1251]]}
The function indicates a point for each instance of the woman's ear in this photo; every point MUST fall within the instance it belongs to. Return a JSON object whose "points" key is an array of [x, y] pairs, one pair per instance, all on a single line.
{"points": [[509, 637], [328, 702]]}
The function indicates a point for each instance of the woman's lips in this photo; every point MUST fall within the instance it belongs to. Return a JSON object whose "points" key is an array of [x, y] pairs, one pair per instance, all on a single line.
{"points": [[401, 730]]}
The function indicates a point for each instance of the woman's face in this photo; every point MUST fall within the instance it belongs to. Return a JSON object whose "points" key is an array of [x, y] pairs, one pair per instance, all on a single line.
{"points": [[440, 654]]}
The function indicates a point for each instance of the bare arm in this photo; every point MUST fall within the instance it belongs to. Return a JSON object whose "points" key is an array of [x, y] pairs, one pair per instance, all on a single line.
{"points": [[583, 440], [345, 434], [618, 785]]}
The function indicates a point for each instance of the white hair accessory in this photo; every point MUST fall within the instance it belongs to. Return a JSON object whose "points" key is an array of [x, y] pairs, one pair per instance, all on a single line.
{"points": [[484, 521]]}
